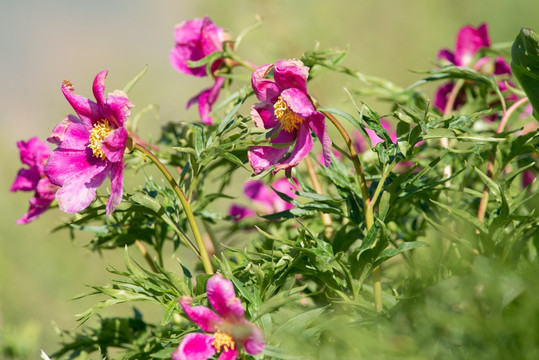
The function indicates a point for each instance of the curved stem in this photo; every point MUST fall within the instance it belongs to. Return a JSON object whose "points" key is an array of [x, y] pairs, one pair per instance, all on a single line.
{"points": [[481, 211], [444, 142], [186, 208], [144, 252], [326, 218]]}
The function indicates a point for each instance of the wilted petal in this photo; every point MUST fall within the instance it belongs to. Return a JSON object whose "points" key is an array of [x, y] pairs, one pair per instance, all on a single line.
{"points": [[116, 186], [98, 87], [194, 346], [114, 145], [266, 90], [304, 144], [228, 355], [291, 74], [26, 180], [263, 115], [222, 297], [206, 99], [239, 212], [446, 55], [71, 133], [200, 315], [263, 157], [318, 125], [298, 102]]}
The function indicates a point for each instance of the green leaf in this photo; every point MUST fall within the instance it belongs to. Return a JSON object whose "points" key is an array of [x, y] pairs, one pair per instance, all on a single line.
{"points": [[525, 65], [135, 80], [389, 253]]}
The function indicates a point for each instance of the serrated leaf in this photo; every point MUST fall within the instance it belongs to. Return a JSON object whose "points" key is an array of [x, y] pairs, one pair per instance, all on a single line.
{"points": [[525, 65]]}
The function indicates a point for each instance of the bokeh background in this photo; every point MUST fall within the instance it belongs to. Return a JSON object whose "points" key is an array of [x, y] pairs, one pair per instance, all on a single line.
{"points": [[44, 42]]}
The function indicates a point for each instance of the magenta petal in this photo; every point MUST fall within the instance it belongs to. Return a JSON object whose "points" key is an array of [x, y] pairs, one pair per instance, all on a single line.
{"points": [[116, 108], [446, 55], [501, 67], [291, 74], [114, 145], [222, 297], [78, 192], [228, 355], [263, 157], [71, 133], [99, 86], [26, 180], [194, 346], [41, 201], [263, 115], [83, 107], [200, 315], [206, 99], [33, 152], [116, 186], [440, 97], [64, 164], [258, 191], [255, 343], [298, 102], [211, 36], [318, 125], [239, 212], [266, 90], [283, 186], [304, 144], [469, 41]]}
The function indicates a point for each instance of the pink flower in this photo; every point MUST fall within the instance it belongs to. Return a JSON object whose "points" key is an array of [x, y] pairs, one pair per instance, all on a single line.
{"points": [[264, 198], [90, 147], [196, 39], [225, 330], [469, 41], [288, 111], [34, 153]]}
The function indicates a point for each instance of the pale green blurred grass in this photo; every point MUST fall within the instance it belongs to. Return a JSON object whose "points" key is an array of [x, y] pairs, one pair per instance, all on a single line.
{"points": [[44, 42]]}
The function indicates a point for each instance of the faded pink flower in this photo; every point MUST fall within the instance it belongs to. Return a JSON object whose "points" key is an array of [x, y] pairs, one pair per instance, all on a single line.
{"points": [[196, 39], [225, 331], [469, 41], [34, 153], [265, 200], [90, 147], [286, 109]]}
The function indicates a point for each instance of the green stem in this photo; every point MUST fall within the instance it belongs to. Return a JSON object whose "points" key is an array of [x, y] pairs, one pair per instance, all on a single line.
{"points": [[206, 263], [367, 205]]}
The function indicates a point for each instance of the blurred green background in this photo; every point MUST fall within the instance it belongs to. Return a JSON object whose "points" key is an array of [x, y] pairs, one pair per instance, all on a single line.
{"points": [[44, 42]]}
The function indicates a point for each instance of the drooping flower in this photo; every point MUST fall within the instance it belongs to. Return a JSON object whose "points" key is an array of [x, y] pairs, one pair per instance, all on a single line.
{"points": [[265, 200], [196, 39], [90, 147], [469, 41], [225, 331], [286, 109], [34, 153]]}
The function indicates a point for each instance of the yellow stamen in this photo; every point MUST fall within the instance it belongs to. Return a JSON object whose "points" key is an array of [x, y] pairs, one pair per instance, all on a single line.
{"points": [[223, 340], [98, 133], [286, 117]]}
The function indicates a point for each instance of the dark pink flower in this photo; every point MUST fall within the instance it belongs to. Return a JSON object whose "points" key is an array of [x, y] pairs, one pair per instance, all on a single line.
{"points": [[469, 41], [34, 153], [224, 331], [205, 99], [90, 147], [288, 111], [265, 200], [196, 39]]}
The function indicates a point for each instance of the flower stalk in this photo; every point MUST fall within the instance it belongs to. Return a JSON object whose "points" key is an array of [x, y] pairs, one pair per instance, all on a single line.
{"points": [[326, 218], [206, 263]]}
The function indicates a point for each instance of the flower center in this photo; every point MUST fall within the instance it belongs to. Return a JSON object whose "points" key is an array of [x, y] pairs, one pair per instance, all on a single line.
{"points": [[223, 340], [98, 133], [286, 117]]}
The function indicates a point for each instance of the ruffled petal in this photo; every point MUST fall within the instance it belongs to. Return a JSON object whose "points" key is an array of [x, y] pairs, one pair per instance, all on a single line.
{"points": [[180, 54], [263, 157], [98, 87], [222, 297], [33, 152], [116, 108], [206, 99], [298, 102], [211, 37], [264, 116], [64, 164], [194, 346], [114, 145], [318, 125], [84, 107], [71, 133], [469, 41], [228, 355], [266, 90], [200, 315], [41, 201], [116, 186], [291, 74], [302, 148], [78, 192], [255, 343], [26, 180]]}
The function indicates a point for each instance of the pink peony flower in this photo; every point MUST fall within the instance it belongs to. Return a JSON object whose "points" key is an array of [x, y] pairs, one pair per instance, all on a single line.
{"points": [[34, 153], [196, 39], [225, 330], [264, 198], [469, 41], [287, 109], [90, 147]]}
